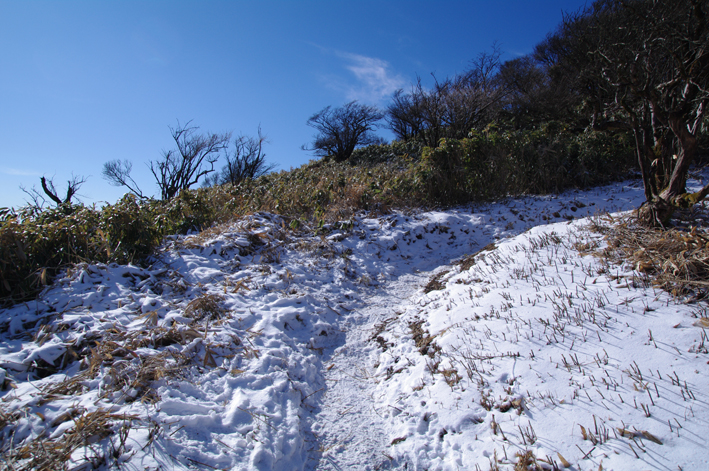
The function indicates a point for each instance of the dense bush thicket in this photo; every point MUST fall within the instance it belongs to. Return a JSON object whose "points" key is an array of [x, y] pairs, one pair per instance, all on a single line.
{"points": [[35, 244], [376, 154], [490, 164]]}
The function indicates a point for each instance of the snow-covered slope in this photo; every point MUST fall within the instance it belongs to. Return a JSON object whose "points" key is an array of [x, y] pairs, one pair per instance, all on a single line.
{"points": [[253, 346], [537, 348]]}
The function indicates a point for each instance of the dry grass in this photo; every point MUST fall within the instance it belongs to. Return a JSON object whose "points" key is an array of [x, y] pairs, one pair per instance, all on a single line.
{"points": [[7, 418], [135, 377], [43, 454], [676, 259], [207, 307], [526, 461], [114, 354], [127, 374], [203, 237], [319, 246], [469, 260], [423, 339], [435, 283], [126, 371]]}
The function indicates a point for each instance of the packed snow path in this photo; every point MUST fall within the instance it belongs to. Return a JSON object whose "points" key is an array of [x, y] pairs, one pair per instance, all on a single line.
{"points": [[350, 432], [254, 346]]}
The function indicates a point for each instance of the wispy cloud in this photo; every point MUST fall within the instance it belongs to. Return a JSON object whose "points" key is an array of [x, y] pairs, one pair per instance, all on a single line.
{"points": [[370, 80], [20, 172], [375, 79]]}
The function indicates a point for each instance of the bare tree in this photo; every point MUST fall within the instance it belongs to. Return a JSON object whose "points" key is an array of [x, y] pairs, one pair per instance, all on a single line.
{"points": [[452, 107], [342, 130], [404, 117], [117, 173], [51, 192], [246, 161], [471, 97], [419, 114], [534, 97], [194, 158]]}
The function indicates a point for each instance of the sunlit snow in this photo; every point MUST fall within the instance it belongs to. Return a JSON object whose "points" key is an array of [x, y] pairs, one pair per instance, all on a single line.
{"points": [[457, 339]]}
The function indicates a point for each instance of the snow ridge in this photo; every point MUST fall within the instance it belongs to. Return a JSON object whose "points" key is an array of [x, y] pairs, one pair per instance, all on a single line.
{"points": [[255, 346]]}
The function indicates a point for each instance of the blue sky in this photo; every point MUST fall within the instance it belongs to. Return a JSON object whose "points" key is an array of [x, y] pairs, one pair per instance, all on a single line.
{"points": [[85, 82]]}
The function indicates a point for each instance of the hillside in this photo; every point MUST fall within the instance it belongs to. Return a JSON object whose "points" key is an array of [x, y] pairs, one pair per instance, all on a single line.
{"points": [[378, 344]]}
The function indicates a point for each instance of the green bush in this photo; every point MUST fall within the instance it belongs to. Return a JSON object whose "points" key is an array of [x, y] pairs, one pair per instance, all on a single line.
{"points": [[35, 244], [492, 164], [131, 229], [387, 153]]}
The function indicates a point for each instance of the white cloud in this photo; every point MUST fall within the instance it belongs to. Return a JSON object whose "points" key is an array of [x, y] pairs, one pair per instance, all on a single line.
{"points": [[20, 172], [375, 79], [372, 80]]}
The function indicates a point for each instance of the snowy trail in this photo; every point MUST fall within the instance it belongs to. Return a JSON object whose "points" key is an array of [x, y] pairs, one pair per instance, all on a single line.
{"points": [[352, 425], [352, 433], [253, 346]]}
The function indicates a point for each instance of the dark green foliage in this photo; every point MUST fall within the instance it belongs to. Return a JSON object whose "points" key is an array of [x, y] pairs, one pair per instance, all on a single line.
{"points": [[397, 150], [34, 244], [131, 229], [492, 164]]}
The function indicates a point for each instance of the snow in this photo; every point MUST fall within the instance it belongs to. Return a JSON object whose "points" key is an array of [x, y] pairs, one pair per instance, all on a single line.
{"points": [[253, 346]]}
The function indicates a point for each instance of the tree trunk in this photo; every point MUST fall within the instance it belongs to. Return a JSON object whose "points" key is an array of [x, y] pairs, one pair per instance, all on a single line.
{"points": [[687, 151], [661, 150], [659, 210], [648, 184]]}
